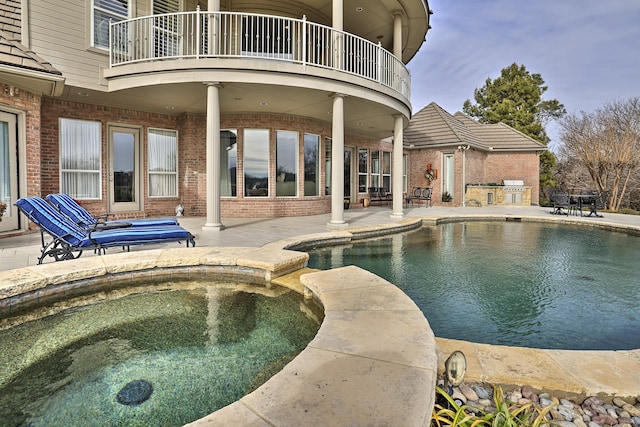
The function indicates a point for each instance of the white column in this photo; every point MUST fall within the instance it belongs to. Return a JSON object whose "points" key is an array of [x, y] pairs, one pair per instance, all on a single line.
{"points": [[338, 14], [397, 34], [213, 158], [397, 167], [337, 162]]}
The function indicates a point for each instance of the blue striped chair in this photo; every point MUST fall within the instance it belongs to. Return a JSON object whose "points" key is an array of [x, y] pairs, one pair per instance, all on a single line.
{"points": [[68, 206], [69, 239]]}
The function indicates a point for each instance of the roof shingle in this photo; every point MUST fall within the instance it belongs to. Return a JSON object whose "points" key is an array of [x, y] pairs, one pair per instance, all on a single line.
{"points": [[433, 126]]}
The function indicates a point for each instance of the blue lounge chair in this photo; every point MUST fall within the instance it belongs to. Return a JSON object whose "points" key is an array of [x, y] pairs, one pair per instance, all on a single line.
{"points": [[69, 239], [65, 204]]}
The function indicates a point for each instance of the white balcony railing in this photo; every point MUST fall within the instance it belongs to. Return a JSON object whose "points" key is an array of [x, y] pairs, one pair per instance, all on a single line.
{"points": [[202, 34]]}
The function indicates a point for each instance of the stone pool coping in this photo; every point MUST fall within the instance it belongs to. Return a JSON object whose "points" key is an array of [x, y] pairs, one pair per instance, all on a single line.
{"points": [[572, 373], [372, 362]]}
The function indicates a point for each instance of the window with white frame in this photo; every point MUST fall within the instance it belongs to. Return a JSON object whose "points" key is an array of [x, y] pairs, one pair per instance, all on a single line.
{"points": [[228, 162], [375, 168], [405, 171], [104, 12], [255, 162], [311, 164], [162, 159], [286, 163], [386, 170], [363, 169], [80, 158]]}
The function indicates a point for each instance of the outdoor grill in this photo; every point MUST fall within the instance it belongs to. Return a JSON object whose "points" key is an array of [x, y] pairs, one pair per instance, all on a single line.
{"points": [[512, 185], [513, 190]]}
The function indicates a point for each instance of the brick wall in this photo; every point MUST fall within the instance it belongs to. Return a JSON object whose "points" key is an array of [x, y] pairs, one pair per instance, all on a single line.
{"points": [[481, 167], [17, 99], [192, 158]]}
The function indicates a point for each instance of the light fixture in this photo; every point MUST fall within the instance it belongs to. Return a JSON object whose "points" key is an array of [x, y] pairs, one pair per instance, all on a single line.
{"points": [[169, 107], [359, 9], [83, 94], [454, 368]]}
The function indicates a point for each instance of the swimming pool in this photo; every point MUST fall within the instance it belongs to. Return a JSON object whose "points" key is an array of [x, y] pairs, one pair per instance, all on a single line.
{"points": [[201, 346], [528, 284]]}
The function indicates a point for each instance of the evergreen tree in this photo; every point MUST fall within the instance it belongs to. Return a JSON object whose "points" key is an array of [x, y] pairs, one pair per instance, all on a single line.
{"points": [[515, 98]]}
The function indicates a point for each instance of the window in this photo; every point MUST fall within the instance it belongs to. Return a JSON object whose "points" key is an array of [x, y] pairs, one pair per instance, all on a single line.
{"points": [[386, 170], [311, 165], [405, 170], [163, 162], [103, 12], [228, 162], [256, 162], [363, 168], [80, 158], [167, 28], [286, 163], [375, 168], [327, 166]]}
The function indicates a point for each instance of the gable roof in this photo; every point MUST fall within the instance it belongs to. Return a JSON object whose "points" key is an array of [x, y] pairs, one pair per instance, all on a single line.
{"points": [[434, 127], [22, 68]]}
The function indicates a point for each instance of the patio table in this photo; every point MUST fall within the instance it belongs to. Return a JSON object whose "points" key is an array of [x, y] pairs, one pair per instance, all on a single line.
{"points": [[590, 201]]}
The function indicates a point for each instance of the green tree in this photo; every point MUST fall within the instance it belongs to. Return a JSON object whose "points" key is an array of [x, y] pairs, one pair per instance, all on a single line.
{"points": [[515, 98]]}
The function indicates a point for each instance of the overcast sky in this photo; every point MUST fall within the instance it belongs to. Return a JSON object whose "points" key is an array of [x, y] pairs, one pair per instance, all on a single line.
{"points": [[587, 51]]}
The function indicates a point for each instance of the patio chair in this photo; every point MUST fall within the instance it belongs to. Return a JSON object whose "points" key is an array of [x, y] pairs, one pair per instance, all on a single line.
{"points": [[560, 201], [69, 240], [68, 206]]}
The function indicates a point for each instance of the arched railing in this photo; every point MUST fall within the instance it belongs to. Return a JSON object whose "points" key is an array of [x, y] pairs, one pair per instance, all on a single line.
{"points": [[200, 34]]}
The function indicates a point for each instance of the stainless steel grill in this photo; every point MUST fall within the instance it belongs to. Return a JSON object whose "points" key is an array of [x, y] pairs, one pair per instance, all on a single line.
{"points": [[513, 190], [511, 185]]}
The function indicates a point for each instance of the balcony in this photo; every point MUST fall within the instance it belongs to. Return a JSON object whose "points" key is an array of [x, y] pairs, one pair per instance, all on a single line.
{"points": [[205, 35]]}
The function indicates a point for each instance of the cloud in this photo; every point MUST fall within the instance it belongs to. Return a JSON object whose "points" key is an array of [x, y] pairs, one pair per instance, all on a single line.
{"points": [[587, 51]]}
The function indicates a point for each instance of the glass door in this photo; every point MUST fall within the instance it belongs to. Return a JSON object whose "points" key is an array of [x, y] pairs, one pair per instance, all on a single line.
{"points": [[448, 173], [124, 169], [8, 171]]}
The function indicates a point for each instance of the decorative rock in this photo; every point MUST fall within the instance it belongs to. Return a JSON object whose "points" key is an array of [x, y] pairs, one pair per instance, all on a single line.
{"points": [[593, 400], [482, 392], [562, 423], [636, 420], [592, 424], [557, 415], [457, 395], [134, 393], [566, 403], [566, 413], [468, 392], [485, 402], [632, 410], [527, 392], [545, 401], [618, 401], [599, 409], [579, 422], [604, 419]]}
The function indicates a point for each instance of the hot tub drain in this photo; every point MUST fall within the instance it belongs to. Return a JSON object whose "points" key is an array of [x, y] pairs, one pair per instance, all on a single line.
{"points": [[134, 393]]}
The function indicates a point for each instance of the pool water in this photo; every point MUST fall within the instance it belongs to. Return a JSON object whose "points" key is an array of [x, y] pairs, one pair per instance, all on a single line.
{"points": [[201, 348], [524, 284]]}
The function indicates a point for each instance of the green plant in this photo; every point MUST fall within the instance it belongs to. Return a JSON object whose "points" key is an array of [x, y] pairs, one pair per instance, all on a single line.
{"points": [[447, 412], [446, 197]]}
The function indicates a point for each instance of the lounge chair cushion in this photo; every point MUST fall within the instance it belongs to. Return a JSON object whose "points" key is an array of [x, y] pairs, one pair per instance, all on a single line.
{"points": [[67, 205]]}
